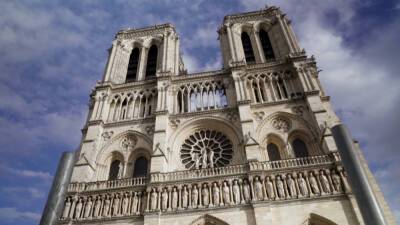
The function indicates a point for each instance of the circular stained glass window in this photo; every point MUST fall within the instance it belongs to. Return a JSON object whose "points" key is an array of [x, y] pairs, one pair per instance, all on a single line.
{"points": [[206, 149]]}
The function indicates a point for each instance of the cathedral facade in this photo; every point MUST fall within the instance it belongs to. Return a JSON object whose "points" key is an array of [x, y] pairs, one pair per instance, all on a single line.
{"points": [[247, 144]]}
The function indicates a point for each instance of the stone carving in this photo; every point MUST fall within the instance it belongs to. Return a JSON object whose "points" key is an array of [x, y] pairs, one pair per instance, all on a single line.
{"points": [[324, 182], [291, 186], [236, 192], [258, 189], [129, 142], [174, 123], [337, 184], [246, 191], [67, 207], [174, 198], [153, 200], [269, 186], [281, 124], [280, 187], [302, 185], [107, 135], [298, 110], [314, 184], [149, 130], [206, 149], [115, 206], [205, 195], [164, 197], [195, 196], [88, 207], [226, 195], [78, 209], [185, 197], [216, 194], [125, 202], [135, 202]]}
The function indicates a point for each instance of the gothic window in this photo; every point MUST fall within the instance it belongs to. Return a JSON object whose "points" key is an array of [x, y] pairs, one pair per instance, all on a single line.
{"points": [[266, 45], [247, 48], [282, 92], [133, 65], [273, 152], [206, 149], [124, 109], [152, 62], [140, 168], [299, 148], [114, 170]]}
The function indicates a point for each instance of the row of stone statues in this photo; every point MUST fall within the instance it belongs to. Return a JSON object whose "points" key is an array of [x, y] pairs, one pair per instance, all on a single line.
{"points": [[241, 191], [208, 194], [88, 207]]}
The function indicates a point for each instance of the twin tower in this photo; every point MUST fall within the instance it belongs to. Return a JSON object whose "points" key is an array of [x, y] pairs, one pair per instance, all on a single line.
{"points": [[247, 144]]}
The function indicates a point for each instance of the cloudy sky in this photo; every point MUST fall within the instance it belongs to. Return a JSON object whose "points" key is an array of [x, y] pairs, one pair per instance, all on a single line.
{"points": [[52, 53]]}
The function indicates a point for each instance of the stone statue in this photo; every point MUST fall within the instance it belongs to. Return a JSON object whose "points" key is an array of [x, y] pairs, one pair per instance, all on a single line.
{"points": [[280, 187], [292, 186], [174, 198], [302, 185], [115, 206], [125, 202], [225, 191], [107, 203], [97, 205], [215, 194], [164, 197], [211, 158], [258, 189], [205, 195], [236, 192], [246, 191], [67, 207], [203, 153], [184, 197], [314, 184], [337, 184], [120, 169], [153, 200], [195, 196], [78, 209], [324, 182], [270, 188], [196, 159], [135, 201], [88, 207]]}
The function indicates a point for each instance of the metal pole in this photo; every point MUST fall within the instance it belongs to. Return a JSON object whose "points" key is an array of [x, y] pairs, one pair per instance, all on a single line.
{"points": [[370, 209], [55, 199]]}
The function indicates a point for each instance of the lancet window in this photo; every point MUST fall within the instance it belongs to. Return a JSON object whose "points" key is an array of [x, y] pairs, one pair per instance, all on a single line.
{"points": [[152, 62], [299, 148], [140, 167], [271, 86], [201, 96], [266, 45], [115, 168], [133, 65], [247, 48], [273, 152], [137, 104]]}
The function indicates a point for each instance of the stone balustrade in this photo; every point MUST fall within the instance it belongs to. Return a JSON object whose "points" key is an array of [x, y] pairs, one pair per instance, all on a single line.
{"points": [[291, 163], [107, 184], [231, 186]]}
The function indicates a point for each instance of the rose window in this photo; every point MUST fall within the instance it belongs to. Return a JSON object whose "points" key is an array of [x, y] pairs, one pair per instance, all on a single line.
{"points": [[206, 149]]}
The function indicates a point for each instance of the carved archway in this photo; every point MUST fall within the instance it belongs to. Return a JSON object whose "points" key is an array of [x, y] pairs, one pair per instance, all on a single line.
{"points": [[208, 220], [314, 219]]}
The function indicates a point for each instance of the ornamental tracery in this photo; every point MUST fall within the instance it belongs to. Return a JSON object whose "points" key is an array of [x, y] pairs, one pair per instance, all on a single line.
{"points": [[206, 149]]}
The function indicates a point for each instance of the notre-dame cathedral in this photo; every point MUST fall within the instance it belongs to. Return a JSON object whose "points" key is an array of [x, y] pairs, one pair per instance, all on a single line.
{"points": [[247, 144]]}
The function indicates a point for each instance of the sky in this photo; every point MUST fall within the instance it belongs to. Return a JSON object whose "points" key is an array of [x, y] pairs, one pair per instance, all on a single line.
{"points": [[53, 52]]}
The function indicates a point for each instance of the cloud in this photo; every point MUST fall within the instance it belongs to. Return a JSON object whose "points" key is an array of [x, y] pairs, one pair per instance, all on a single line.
{"points": [[44, 176], [33, 192], [11, 214]]}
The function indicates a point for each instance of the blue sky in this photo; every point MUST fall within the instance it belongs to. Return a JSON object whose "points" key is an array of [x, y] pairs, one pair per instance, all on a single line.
{"points": [[52, 53]]}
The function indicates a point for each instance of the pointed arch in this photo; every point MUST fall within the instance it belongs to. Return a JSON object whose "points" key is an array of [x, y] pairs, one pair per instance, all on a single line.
{"points": [[133, 65], [247, 48], [208, 220], [315, 219], [151, 66], [266, 45]]}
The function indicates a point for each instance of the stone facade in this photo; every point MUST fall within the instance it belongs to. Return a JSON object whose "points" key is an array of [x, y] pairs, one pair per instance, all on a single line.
{"points": [[247, 144]]}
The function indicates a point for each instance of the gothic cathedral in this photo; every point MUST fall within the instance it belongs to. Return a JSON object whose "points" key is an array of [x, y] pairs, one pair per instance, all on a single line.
{"points": [[247, 144]]}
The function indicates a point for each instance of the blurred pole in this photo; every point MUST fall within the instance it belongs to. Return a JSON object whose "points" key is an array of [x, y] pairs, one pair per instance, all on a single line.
{"points": [[371, 212], [56, 197]]}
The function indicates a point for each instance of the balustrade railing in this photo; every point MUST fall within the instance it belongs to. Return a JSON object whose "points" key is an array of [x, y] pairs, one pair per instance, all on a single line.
{"points": [[107, 184], [291, 163], [200, 173]]}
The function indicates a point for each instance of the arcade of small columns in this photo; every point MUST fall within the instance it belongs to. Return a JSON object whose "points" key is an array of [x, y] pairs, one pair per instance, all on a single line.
{"points": [[236, 190]]}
